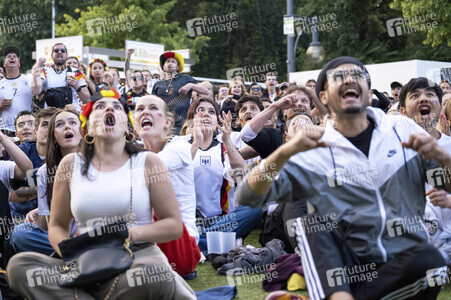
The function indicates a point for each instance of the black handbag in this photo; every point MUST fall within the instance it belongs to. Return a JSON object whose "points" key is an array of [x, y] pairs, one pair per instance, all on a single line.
{"points": [[99, 254], [58, 97]]}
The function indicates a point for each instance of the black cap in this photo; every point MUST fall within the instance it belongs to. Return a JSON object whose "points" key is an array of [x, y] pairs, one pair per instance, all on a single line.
{"points": [[11, 49], [395, 84]]}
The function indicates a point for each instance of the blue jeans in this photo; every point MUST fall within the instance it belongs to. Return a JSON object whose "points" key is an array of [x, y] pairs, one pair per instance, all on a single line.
{"points": [[30, 237], [242, 221]]}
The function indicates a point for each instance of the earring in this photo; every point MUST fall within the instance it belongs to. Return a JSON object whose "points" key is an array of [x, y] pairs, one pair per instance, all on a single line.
{"points": [[89, 139], [129, 137]]}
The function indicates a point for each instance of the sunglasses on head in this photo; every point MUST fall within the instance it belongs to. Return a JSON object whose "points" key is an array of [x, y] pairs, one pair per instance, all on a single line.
{"points": [[137, 78]]}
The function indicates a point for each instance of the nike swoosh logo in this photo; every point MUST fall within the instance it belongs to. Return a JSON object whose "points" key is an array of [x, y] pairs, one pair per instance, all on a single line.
{"points": [[391, 153]]}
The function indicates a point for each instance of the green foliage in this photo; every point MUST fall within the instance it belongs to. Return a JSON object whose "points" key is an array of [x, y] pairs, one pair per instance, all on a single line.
{"points": [[441, 11], [145, 20]]}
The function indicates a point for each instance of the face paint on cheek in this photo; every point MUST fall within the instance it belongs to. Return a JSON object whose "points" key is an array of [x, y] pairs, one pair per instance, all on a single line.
{"points": [[159, 114]]}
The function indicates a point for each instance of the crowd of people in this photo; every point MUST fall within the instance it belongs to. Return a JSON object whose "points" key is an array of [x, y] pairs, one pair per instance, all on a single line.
{"points": [[177, 159]]}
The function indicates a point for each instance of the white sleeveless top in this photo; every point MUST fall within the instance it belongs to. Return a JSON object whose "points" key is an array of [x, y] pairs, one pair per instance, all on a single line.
{"points": [[104, 197]]}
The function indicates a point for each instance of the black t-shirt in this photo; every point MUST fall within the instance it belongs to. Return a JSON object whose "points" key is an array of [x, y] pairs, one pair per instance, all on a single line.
{"points": [[363, 140], [266, 141], [178, 103]]}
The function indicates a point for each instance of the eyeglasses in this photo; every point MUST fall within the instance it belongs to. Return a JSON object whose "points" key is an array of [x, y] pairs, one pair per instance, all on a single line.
{"points": [[256, 89], [137, 78], [355, 75], [59, 50]]}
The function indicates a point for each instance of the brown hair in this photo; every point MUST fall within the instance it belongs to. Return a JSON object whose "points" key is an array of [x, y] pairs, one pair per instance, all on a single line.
{"points": [[53, 155], [44, 113]]}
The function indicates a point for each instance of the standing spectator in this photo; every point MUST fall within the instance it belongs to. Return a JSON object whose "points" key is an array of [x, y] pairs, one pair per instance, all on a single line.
{"points": [[395, 90], [311, 84], [234, 93], [138, 89], [2, 75], [59, 82], [445, 86], [256, 90], [209, 87], [147, 79], [175, 88], [222, 93], [97, 68], [271, 86], [117, 80], [15, 92]]}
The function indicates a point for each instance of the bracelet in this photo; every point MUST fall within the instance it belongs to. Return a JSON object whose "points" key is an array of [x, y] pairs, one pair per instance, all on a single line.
{"points": [[79, 89]]}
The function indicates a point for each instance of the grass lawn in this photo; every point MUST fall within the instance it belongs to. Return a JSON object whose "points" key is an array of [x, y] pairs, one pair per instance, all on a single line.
{"points": [[251, 286]]}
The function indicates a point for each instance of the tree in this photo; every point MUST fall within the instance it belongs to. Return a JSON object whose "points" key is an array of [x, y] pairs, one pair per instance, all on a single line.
{"points": [[437, 10], [139, 20]]}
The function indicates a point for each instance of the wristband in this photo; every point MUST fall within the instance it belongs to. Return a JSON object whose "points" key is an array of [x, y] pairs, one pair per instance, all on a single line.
{"points": [[79, 89]]}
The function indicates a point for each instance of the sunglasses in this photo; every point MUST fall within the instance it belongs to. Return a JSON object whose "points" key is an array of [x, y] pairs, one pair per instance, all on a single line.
{"points": [[256, 89], [59, 50], [137, 78]]}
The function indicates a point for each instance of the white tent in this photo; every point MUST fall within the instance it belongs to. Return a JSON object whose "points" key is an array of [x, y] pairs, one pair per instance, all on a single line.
{"points": [[383, 74]]}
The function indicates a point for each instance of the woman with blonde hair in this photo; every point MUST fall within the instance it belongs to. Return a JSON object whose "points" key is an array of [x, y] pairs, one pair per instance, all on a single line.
{"points": [[153, 123]]}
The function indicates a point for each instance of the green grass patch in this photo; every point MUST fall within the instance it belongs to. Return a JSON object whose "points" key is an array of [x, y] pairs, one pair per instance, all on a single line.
{"points": [[251, 286]]}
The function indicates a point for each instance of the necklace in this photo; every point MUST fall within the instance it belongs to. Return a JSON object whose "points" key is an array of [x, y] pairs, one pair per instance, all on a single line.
{"points": [[169, 89]]}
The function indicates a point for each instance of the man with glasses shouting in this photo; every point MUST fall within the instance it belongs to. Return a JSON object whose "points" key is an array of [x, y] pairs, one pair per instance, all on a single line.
{"points": [[61, 85]]}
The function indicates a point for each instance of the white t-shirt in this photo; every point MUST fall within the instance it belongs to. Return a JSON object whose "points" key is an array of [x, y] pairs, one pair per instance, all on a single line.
{"points": [[7, 173], [176, 156], [53, 80], [209, 173], [19, 90], [41, 179]]}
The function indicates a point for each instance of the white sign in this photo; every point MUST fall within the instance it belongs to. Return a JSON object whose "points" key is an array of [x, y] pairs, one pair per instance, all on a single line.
{"points": [[74, 46], [288, 25], [145, 55]]}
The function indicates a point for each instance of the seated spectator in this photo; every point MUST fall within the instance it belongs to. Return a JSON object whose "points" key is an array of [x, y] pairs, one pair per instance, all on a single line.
{"points": [[109, 157], [63, 137], [153, 123], [214, 194], [318, 165], [24, 199]]}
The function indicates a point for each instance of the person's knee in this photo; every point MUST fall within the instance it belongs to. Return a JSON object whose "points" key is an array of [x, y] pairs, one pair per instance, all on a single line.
{"points": [[21, 236], [425, 257], [13, 273]]}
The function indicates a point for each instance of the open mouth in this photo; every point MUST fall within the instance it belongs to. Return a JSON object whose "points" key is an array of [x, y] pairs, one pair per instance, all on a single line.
{"points": [[109, 120], [424, 110], [206, 122], [350, 93], [248, 118], [68, 135], [146, 123]]}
